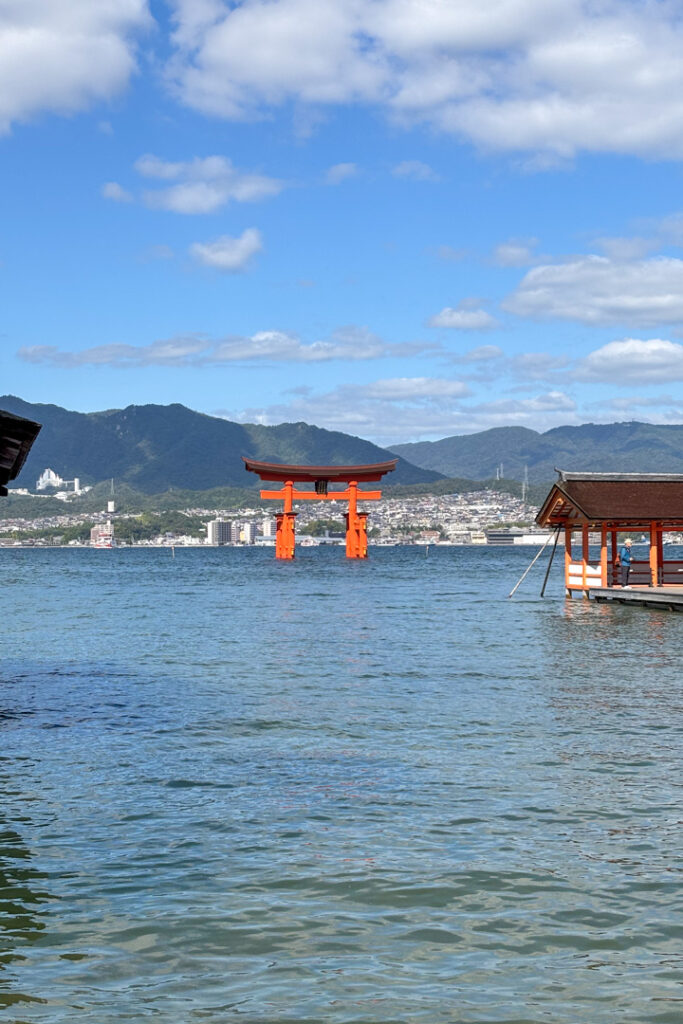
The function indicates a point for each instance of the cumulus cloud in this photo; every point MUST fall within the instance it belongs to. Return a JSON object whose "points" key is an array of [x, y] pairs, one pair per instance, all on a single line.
{"points": [[230, 255], [63, 56], [203, 185], [416, 170], [633, 361], [345, 344], [340, 172], [463, 318], [600, 291], [112, 190], [518, 75]]}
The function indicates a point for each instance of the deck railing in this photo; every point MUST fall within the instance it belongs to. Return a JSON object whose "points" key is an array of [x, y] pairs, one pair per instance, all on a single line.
{"points": [[582, 576], [670, 573]]}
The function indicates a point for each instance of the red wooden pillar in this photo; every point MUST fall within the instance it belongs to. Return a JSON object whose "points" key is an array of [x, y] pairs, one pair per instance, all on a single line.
{"points": [[615, 552], [285, 536], [362, 520], [603, 556], [653, 555], [660, 553], [356, 536], [584, 557], [567, 558]]}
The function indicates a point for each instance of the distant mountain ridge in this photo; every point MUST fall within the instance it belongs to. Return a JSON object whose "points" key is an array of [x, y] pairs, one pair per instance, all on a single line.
{"points": [[157, 447], [593, 447]]}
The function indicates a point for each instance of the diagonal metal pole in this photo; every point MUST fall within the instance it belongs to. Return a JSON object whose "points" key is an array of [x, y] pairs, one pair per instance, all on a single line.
{"points": [[552, 555], [532, 563]]}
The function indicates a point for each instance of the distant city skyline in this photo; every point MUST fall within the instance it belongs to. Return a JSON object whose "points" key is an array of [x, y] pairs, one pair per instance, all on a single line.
{"points": [[401, 219]]}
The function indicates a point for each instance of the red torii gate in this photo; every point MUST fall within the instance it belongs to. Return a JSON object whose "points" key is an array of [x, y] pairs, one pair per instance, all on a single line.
{"points": [[321, 477]]}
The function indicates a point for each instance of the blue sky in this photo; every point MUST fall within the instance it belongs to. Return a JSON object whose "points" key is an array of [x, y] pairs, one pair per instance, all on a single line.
{"points": [[399, 218]]}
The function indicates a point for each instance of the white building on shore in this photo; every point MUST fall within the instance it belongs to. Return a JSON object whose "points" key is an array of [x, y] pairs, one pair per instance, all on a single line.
{"points": [[49, 479], [219, 531]]}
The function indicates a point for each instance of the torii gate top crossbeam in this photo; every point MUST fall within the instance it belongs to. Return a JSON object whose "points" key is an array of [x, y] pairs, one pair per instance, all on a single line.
{"points": [[314, 474]]}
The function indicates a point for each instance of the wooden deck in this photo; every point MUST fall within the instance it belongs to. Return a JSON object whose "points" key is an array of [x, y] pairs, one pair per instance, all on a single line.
{"points": [[668, 598]]}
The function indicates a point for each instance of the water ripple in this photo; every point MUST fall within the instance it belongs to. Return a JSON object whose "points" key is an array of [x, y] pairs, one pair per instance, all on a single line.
{"points": [[372, 793]]}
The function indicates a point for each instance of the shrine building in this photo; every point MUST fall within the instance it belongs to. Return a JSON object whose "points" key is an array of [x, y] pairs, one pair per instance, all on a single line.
{"points": [[645, 506]]}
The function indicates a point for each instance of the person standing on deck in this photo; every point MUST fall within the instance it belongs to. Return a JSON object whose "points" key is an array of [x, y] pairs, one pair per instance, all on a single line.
{"points": [[625, 561]]}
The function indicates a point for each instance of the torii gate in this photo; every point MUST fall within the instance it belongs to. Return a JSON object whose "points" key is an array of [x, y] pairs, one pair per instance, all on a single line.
{"points": [[321, 476]]}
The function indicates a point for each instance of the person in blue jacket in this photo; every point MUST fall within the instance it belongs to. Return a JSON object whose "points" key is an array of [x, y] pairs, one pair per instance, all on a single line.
{"points": [[625, 561]]}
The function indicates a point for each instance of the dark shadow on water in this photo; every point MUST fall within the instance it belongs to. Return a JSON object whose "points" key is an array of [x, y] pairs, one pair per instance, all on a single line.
{"points": [[22, 896]]}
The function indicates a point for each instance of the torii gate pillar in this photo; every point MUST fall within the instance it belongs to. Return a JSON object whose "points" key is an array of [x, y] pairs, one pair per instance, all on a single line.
{"points": [[356, 526], [286, 523]]}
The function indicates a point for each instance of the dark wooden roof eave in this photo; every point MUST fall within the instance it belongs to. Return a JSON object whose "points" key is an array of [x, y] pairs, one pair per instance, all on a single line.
{"points": [[544, 517], [17, 435], [624, 500], [310, 474]]}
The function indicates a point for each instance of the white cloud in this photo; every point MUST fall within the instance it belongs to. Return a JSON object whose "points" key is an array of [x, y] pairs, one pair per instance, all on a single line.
{"points": [[203, 185], [340, 172], [345, 344], [550, 401], [670, 229], [537, 365], [654, 233], [112, 190], [416, 170], [463, 318], [665, 405], [228, 254], [171, 352], [63, 56], [626, 248], [482, 354], [390, 413], [415, 388], [518, 75], [633, 361], [657, 408], [515, 253], [235, 61], [597, 290]]}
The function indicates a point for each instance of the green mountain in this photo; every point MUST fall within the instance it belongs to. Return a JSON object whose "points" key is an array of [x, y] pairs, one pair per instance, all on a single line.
{"points": [[156, 447], [592, 447]]}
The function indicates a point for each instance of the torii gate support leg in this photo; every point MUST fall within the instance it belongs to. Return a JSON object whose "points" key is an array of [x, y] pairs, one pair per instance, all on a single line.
{"points": [[356, 529], [285, 536]]}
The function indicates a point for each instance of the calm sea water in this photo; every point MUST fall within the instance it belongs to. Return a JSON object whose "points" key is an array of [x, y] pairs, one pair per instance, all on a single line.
{"points": [[328, 791]]}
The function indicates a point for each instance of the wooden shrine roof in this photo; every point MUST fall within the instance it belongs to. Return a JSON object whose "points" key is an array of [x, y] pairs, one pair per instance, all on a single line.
{"points": [[618, 498], [16, 437], [310, 474]]}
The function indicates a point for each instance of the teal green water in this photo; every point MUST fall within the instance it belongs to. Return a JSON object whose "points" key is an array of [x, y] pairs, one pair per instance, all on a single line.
{"points": [[330, 791]]}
